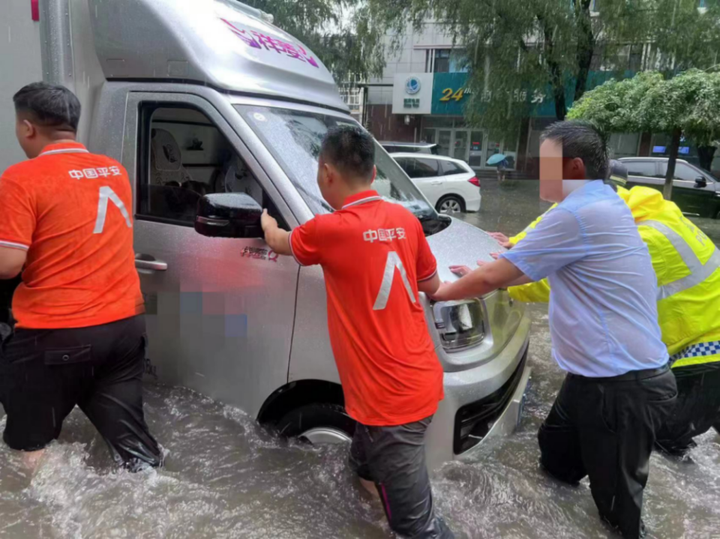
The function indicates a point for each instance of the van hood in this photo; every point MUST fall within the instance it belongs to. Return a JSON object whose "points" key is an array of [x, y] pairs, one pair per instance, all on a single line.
{"points": [[461, 244]]}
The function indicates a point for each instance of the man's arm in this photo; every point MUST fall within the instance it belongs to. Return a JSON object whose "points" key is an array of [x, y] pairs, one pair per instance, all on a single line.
{"points": [[498, 274], [462, 271], [11, 262], [430, 286], [17, 226], [277, 238]]}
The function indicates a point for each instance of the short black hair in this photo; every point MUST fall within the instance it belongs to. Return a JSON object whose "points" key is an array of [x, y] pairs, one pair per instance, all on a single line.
{"points": [[350, 149], [51, 106], [581, 140]]}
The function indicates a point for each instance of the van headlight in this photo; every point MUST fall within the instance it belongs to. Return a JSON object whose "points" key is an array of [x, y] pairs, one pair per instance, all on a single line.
{"points": [[460, 324]]}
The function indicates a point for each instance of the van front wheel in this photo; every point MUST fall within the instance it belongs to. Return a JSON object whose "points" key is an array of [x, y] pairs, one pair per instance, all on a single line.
{"points": [[318, 424]]}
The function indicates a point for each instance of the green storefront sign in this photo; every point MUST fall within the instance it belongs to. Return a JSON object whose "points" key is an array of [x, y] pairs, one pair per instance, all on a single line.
{"points": [[450, 94]]}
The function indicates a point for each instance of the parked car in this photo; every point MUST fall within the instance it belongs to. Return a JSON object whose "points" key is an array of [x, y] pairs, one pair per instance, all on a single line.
{"points": [[695, 191], [449, 184], [410, 147], [197, 98]]}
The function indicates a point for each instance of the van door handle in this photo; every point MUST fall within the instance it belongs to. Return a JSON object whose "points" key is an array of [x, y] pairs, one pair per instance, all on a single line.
{"points": [[152, 265]]}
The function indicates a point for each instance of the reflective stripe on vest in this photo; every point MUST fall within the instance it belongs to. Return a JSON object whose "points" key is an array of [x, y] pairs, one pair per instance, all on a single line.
{"points": [[705, 349], [699, 272]]}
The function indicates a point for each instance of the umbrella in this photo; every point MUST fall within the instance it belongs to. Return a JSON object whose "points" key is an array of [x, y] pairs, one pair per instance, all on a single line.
{"points": [[496, 159]]}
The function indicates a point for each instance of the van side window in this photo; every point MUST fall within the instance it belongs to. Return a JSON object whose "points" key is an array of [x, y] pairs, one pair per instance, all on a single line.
{"points": [[184, 156]]}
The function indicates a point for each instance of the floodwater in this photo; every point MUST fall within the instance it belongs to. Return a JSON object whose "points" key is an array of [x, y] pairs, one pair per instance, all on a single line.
{"points": [[226, 477]]}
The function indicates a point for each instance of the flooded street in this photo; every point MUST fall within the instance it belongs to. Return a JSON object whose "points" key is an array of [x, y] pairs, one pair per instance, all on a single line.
{"points": [[226, 477]]}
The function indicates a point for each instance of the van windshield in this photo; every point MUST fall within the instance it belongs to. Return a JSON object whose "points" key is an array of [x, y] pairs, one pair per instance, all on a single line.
{"points": [[294, 138]]}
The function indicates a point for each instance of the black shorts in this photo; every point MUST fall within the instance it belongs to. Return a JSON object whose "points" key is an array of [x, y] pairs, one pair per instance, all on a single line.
{"points": [[45, 373]]}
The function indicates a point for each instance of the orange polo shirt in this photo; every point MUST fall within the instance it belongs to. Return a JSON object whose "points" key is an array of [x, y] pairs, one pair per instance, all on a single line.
{"points": [[373, 254], [71, 211]]}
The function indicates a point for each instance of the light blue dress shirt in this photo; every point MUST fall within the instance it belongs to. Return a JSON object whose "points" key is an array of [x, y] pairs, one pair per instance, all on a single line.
{"points": [[603, 300]]}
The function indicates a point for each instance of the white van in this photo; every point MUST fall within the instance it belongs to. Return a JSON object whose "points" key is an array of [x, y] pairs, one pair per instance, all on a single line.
{"points": [[200, 97]]}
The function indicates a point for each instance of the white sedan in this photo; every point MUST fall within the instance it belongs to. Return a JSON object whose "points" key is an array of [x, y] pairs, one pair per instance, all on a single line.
{"points": [[449, 184]]}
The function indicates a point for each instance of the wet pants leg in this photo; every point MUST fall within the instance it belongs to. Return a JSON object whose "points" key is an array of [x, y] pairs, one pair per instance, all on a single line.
{"points": [[394, 459], [45, 373], [114, 401], [696, 411], [605, 428]]}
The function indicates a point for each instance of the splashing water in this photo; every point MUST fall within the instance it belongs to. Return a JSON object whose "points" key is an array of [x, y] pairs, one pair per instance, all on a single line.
{"points": [[226, 477]]}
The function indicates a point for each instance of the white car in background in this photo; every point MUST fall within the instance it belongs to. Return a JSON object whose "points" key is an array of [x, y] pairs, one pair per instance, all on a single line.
{"points": [[449, 184]]}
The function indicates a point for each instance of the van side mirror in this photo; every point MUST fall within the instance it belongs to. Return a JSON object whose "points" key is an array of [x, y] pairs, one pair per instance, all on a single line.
{"points": [[700, 182], [228, 215]]}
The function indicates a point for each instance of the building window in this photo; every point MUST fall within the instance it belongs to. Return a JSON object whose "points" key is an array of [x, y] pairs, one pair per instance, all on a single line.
{"points": [[442, 61], [625, 58], [446, 61], [352, 98]]}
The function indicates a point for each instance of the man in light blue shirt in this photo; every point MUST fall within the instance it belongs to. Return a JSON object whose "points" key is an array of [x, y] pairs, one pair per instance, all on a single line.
{"points": [[603, 313], [603, 321]]}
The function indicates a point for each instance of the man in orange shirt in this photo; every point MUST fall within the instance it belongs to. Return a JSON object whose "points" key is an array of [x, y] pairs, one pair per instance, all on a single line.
{"points": [[376, 260], [80, 332]]}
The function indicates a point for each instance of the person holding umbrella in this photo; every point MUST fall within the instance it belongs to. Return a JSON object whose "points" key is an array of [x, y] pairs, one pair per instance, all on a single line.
{"points": [[500, 160]]}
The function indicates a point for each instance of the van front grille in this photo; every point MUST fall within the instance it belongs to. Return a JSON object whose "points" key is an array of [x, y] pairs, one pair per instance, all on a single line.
{"points": [[474, 421]]}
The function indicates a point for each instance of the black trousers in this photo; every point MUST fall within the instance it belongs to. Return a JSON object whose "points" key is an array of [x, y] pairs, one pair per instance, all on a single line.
{"points": [[7, 289], [697, 408], [45, 373], [394, 459], [605, 428]]}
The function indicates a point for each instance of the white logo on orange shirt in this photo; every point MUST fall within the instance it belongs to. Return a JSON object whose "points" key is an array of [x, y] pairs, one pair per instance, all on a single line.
{"points": [[384, 235], [94, 173]]}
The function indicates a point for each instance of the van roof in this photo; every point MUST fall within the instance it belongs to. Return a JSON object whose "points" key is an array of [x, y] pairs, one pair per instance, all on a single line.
{"points": [[221, 43]]}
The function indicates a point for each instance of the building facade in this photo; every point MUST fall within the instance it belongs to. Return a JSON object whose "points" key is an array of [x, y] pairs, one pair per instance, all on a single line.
{"points": [[422, 94]]}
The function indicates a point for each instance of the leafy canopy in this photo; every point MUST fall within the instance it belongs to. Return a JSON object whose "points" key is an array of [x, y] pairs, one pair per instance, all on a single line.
{"points": [[333, 30], [520, 51], [689, 102]]}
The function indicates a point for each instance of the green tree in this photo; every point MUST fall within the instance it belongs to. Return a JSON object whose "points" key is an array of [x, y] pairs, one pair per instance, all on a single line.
{"points": [[331, 28], [686, 105], [519, 49]]}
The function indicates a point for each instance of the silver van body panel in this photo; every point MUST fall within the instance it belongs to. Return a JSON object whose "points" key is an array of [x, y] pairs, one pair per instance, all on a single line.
{"points": [[20, 64], [213, 42], [236, 328]]}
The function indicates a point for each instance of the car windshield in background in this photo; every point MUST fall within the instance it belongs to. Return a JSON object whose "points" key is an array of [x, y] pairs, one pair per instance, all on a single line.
{"points": [[294, 138]]}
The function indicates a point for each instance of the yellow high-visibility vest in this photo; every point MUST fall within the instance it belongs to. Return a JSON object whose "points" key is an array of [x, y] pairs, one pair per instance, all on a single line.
{"points": [[687, 269]]}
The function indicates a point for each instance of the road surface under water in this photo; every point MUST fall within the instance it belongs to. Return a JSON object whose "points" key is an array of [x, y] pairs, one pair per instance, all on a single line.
{"points": [[227, 477]]}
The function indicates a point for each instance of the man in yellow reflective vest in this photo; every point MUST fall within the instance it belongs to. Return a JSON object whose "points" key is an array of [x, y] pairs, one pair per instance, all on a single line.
{"points": [[687, 266]]}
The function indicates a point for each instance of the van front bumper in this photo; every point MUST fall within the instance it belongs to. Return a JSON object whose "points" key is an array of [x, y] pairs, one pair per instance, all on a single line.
{"points": [[481, 403]]}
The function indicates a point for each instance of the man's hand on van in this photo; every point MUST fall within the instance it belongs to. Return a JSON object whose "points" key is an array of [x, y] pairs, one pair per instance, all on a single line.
{"points": [[460, 271], [488, 277], [502, 239], [277, 238]]}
